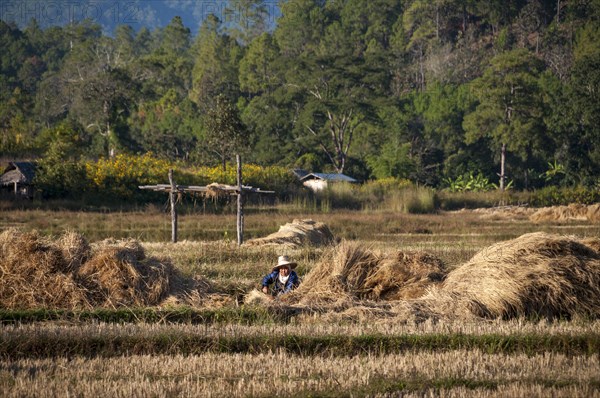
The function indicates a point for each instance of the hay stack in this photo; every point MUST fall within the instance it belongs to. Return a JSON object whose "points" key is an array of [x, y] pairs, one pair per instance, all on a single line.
{"points": [[405, 275], [350, 272], [119, 274], [593, 243], [505, 213], [535, 274], [75, 250], [593, 213], [37, 272], [256, 297], [339, 277], [573, 211], [297, 233]]}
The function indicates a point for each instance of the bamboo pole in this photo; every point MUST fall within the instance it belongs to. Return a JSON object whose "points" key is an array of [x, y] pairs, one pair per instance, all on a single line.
{"points": [[240, 204], [172, 199]]}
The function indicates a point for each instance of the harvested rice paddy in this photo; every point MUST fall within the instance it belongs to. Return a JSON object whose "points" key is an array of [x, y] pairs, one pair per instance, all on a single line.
{"points": [[453, 304]]}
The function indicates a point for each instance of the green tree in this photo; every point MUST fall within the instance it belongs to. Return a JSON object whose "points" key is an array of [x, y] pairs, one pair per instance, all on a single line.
{"points": [[585, 102], [394, 160], [251, 19], [165, 61], [168, 127], [216, 65], [60, 172], [509, 112], [300, 27], [225, 133], [258, 72]]}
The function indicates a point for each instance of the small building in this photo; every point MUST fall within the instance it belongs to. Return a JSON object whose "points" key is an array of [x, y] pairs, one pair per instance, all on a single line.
{"points": [[320, 181], [18, 177]]}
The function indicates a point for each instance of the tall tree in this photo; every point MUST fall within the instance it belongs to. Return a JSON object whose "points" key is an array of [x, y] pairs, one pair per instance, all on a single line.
{"points": [[250, 17], [509, 112], [168, 127], [168, 62], [216, 65], [258, 69], [96, 88], [300, 27], [226, 135]]}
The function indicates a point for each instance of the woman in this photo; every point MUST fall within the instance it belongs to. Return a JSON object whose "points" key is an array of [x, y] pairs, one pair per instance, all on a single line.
{"points": [[282, 277]]}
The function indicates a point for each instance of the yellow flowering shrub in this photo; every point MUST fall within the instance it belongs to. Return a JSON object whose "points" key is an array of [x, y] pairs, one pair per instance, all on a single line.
{"points": [[274, 178], [121, 175]]}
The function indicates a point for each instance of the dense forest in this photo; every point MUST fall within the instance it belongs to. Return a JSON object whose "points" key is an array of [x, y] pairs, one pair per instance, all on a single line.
{"points": [[428, 90]]}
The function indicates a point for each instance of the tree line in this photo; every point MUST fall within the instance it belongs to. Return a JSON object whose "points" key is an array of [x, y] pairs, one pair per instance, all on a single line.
{"points": [[430, 91]]}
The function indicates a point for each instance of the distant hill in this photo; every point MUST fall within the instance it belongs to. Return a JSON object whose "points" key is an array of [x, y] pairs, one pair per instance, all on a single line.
{"points": [[136, 13]]}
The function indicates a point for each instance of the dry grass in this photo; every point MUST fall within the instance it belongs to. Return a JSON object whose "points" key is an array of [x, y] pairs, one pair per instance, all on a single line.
{"points": [[405, 275], [536, 274], [504, 213], [314, 326], [297, 233], [38, 272], [571, 212], [282, 374], [351, 271]]}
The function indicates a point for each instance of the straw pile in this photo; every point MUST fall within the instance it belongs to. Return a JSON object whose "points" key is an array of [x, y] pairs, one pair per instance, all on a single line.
{"points": [[297, 233], [68, 273], [215, 190], [35, 272], [536, 274], [255, 297], [119, 274], [505, 213], [572, 212], [350, 272], [405, 275], [593, 213]]}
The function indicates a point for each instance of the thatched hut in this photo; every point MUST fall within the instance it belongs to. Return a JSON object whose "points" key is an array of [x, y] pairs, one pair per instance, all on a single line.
{"points": [[18, 177]]}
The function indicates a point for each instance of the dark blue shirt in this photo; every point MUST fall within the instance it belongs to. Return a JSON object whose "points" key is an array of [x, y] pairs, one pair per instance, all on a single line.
{"points": [[278, 287]]}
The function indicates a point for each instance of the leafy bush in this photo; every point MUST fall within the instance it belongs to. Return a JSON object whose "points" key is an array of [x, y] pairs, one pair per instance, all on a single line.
{"points": [[471, 182], [471, 200], [273, 178], [119, 177], [552, 196], [58, 175], [58, 178]]}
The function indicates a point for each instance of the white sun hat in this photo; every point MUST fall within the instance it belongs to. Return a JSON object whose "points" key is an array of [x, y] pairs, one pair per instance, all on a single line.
{"points": [[284, 261]]}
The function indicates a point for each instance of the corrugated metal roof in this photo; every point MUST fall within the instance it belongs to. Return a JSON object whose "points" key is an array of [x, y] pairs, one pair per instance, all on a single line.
{"points": [[299, 173], [328, 177]]}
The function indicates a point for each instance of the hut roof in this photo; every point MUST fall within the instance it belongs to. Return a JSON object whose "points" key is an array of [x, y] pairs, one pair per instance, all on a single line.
{"points": [[328, 177], [20, 172], [299, 173]]}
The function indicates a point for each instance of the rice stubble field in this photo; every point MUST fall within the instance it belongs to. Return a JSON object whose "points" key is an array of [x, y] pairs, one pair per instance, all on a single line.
{"points": [[357, 344]]}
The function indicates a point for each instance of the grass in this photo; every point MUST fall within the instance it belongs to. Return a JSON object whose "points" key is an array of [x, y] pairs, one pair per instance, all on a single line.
{"points": [[183, 314], [279, 373], [108, 340], [44, 346], [251, 351]]}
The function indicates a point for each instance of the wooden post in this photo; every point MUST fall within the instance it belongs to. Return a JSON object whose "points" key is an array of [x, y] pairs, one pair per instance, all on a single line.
{"points": [[172, 199], [240, 204]]}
